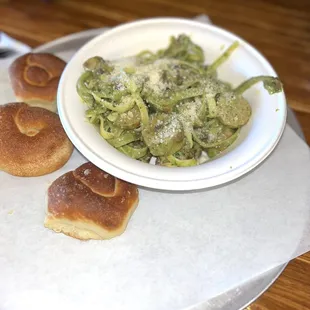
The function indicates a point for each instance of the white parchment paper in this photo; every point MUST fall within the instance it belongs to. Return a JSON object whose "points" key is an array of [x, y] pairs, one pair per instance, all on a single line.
{"points": [[178, 249]]}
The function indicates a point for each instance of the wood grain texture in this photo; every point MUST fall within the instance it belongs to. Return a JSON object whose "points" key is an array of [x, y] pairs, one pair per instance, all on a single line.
{"points": [[280, 29]]}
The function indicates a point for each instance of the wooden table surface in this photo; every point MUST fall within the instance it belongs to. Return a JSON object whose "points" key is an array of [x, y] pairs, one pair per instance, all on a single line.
{"points": [[280, 29]]}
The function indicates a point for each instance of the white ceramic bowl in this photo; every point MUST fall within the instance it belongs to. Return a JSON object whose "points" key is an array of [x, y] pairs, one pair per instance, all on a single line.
{"points": [[256, 141]]}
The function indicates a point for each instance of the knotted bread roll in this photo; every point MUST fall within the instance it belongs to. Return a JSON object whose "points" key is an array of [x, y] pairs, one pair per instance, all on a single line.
{"points": [[35, 79], [88, 203], [32, 141]]}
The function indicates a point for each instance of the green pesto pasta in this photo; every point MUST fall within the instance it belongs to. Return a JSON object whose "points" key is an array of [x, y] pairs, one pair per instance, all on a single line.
{"points": [[168, 105]]}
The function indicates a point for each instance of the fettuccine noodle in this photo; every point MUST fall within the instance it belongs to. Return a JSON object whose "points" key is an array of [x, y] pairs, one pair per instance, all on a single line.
{"points": [[167, 104]]}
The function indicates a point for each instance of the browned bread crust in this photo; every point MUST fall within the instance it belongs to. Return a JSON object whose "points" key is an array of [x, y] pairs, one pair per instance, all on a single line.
{"points": [[32, 141], [88, 203], [35, 79]]}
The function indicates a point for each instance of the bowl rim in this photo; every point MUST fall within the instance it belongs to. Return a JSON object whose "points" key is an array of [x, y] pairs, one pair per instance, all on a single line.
{"points": [[157, 183]]}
